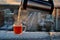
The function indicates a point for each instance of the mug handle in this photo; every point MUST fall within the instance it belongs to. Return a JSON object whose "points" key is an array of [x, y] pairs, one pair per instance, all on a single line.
{"points": [[24, 28]]}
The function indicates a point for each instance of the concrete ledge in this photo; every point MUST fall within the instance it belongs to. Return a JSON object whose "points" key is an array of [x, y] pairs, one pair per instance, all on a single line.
{"points": [[24, 36]]}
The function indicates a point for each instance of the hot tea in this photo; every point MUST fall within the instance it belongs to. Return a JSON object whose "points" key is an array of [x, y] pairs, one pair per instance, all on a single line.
{"points": [[18, 29]]}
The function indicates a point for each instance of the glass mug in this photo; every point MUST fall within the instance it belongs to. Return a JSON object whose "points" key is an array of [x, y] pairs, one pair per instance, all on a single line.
{"points": [[18, 29]]}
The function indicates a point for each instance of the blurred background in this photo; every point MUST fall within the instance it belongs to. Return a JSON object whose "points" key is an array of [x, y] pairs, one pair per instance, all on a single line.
{"points": [[35, 20]]}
